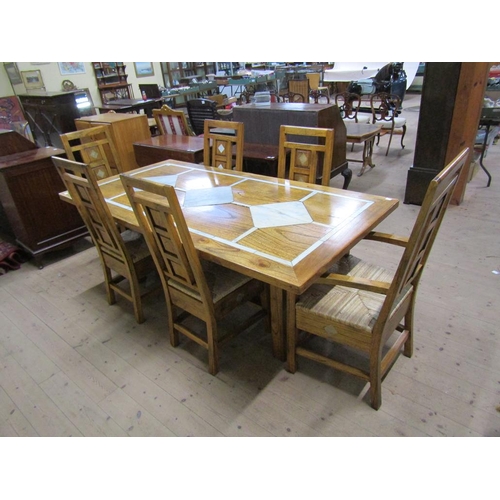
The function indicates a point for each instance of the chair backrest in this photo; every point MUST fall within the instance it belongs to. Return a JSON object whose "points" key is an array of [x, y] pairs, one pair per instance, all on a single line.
{"points": [[314, 80], [245, 97], [423, 235], [348, 104], [219, 148], [385, 107], [291, 97], [86, 195], [164, 227], [151, 90], [171, 121], [299, 87], [94, 147], [200, 110], [306, 158]]}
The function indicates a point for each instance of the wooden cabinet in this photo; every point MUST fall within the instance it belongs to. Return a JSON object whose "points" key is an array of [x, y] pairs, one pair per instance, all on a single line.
{"points": [[51, 114], [262, 126], [29, 194], [112, 81], [181, 73], [125, 130]]}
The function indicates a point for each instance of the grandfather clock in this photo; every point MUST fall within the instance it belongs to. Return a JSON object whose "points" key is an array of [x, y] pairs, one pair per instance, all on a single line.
{"points": [[452, 99]]}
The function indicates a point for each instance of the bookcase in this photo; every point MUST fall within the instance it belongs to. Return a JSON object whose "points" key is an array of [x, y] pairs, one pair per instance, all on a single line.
{"points": [[112, 81], [180, 73]]}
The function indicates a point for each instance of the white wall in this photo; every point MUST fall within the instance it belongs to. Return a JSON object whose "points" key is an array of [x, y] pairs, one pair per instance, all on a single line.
{"points": [[53, 79]]}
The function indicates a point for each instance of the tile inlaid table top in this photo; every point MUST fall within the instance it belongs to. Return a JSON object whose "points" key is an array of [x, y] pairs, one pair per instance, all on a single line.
{"points": [[283, 232]]}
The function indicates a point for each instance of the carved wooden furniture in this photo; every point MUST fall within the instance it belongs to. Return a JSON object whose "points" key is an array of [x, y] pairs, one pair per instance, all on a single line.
{"points": [[125, 129], [307, 162], [29, 187], [200, 288], [50, 114], [200, 110], [220, 149], [386, 111], [279, 231], [262, 126], [363, 133], [348, 104], [171, 121], [123, 256], [360, 305], [292, 97], [94, 147]]}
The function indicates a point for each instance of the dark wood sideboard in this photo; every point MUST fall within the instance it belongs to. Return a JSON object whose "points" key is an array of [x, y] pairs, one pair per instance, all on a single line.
{"points": [[262, 126], [29, 195], [51, 114]]}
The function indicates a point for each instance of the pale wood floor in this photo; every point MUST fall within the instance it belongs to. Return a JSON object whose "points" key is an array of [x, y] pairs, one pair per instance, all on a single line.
{"points": [[70, 365]]}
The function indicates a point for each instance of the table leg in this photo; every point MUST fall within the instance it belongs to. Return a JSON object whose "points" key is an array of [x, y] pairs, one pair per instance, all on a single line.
{"points": [[367, 155], [278, 322]]}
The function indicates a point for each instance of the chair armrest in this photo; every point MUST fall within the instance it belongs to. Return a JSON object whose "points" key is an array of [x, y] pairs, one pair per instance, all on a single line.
{"points": [[393, 239], [353, 282]]}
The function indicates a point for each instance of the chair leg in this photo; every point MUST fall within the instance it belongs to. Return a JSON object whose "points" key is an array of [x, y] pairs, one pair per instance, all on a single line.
{"points": [[135, 293], [108, 278], [403, 136], [213, 348], [389, 143], [375, 382], [408, 345]]}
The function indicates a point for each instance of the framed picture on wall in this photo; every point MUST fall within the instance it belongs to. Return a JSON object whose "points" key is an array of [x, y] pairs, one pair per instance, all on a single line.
{"points": [[144, 69], [71, 68], [32, 79], [12, 73]]}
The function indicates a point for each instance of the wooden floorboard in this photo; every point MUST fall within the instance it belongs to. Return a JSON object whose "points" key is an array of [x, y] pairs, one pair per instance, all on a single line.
{"points": [[71, 365]]}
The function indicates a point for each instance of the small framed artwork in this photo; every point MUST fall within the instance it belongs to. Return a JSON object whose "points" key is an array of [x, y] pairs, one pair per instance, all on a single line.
{"points": [[12, 73], [71, 68], [144, 69], [32, 79]]}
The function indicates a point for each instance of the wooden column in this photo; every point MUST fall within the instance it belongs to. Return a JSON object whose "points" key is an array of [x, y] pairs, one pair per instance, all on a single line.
{"points": [[452, 99]]}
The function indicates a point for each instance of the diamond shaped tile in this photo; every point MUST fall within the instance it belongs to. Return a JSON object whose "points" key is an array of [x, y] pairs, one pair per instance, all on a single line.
{"points": [[280, 214]]}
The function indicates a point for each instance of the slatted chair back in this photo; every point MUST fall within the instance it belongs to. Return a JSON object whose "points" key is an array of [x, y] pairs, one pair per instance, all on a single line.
{"points": [[130, 260], [93, 146], [200, 110], [366, 307], [171, 122], [223, 148], [306, 158], [202, 289]]}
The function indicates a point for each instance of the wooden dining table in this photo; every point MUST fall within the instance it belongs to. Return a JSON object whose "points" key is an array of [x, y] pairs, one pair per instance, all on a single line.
{"points": [[281, 232]]}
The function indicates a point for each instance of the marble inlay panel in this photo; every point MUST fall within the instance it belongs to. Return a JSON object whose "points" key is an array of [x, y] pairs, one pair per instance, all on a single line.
{"points": [[280, 214]]}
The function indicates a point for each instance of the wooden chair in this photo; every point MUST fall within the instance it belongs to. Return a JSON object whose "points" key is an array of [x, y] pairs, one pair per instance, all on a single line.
{"points": [[94, 147], [124, 254], [305, 158], [291, 97], [192, 286], [386, 110], [200, 110], [300, 87], [348, 104], [218, 150], [171, 121], [316, 90], [360, 306]]}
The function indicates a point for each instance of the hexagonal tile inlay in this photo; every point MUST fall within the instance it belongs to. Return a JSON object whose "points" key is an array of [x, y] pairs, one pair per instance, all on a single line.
{"points": [[280, 214]]}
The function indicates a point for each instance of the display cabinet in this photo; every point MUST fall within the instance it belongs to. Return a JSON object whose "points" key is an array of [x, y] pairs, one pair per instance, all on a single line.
{"points": [[179, 73], [112, 81], [50, 114]]}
